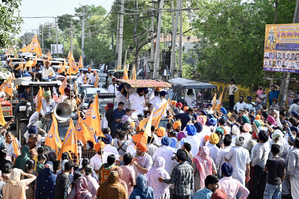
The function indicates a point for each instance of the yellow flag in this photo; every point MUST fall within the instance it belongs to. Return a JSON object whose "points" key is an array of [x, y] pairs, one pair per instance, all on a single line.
{"points": [[125, 75], [49, 56], [29, 64], [214, 101], [219, 103], [73, 69], [15, 145], [82, 131], [134, 72], [97, 81], [70, 141], [92, 117], [157, 115], [2, 120], [20, 67], [80, 63], [33, 47], [6, 86], [39, 100], [53, 140], [63, 86]]}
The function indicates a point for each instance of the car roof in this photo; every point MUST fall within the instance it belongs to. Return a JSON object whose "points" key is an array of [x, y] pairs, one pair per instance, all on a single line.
{"points": [[53, 83], [95, 90]]}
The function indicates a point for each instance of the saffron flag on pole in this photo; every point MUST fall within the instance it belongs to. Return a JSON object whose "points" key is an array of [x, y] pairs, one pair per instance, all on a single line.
{"points": [[16, 146], [49, 56], [219, 102], [97, 81], [157, 115], [6, 86], [39, 100], [73, 69], [125, 75], [20, 67], [2, 120], [33, 47], [63, 86], [92, 117], [29, 64], [70, 141], [53, 140], [134, 72], [80, 63], [83, 132], [214, 101]]}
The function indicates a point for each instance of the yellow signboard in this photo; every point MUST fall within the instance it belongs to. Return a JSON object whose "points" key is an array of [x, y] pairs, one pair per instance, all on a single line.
{"points": [[281, 51]]}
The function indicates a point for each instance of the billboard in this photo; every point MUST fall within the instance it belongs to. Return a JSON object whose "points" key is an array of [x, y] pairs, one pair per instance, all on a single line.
{"points": [[54, 51], [281, 51]]}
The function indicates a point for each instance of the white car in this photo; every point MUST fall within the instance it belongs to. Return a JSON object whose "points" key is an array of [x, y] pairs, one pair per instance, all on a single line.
{"points": [[89, 93]]}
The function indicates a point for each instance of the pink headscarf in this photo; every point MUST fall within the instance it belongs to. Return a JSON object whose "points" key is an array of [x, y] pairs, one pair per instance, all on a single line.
{"points": [[201, 120], [203, 164]]}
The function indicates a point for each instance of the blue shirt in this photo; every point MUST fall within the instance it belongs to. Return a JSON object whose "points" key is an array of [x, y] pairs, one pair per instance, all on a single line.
{"points": [[25, 95], [272, 95], [117, 115], [203, 194]]}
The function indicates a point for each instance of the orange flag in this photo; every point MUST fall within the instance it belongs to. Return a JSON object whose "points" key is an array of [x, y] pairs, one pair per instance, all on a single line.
{"points": [[39, 100], [157, 115], [20, 67], [97, 81], [33, 47], [83, 133], [53, 140], [219, 103], [29, 64], [70, 141], [15, 145], [49, 56], [125, 75], [214, 101], [6, 86], [2, 120], [10, 63], [80, 63], [92, 117], [63, 86], [73, 69], [134, 72]]}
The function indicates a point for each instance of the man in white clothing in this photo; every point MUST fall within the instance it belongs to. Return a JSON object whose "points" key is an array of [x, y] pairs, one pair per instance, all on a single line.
{"points": [[240, 104], [294, 107], [214, 150], [80, 78], [166, 152], [232, 89], [220, 159], [112, 87], [159, 101], [109, 149], [247, 136], [122, 95], [96, 161], [239, 158], [48, 73], [137, 102]]}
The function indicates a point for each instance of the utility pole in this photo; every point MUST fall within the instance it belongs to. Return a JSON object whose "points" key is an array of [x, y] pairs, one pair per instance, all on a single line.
{"points": [[152, 45], [174, 31], [71, 41], [116, 42], [43, 38], [56, 37], [181, 38], [286, 76], [83, 30], [126, 51], [121, 25], [157, 53]]}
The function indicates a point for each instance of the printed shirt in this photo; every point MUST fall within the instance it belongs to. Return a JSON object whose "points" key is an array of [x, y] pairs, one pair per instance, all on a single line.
{"points": [[203, 194]]}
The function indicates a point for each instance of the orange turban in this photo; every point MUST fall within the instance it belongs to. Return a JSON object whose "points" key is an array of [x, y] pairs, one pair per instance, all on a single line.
{"points": [[173, 102], [161, 131], [142, 147], [185, 108], [207, 137], [133, 125], [99, 145], [140, 137], [258, 117], [177, 124]]}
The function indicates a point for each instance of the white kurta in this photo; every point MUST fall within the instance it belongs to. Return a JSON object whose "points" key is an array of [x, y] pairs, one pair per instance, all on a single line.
{"points": [[167, 153], [112, 88], [137, 103], [121, 98], [157, 102], [189, 100]]}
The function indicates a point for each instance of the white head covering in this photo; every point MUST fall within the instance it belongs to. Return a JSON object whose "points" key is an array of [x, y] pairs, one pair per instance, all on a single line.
{"points": [[235, 130]]}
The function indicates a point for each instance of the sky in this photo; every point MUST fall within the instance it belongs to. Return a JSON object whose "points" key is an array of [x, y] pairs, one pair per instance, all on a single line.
{"points": [[40, 8]]}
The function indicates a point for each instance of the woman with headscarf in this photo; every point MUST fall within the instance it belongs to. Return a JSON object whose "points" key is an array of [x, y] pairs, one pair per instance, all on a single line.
{"points": [[161, 188], [92, 183], [30, 165], [45, 183], [142, 191], [80, 190], [112, 189], [203, 166], [22, 159], [16, 188], [120, 174]]}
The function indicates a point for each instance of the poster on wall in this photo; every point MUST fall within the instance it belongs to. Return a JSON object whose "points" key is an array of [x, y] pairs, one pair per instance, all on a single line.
{"points": [[281, 50]]}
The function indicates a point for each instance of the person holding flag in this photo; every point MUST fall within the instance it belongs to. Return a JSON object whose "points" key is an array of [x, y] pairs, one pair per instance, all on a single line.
{"points": [[48, 73]]}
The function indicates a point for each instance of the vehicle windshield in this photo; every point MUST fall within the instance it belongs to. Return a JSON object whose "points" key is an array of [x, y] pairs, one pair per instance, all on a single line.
{"points": [[87, 98]]}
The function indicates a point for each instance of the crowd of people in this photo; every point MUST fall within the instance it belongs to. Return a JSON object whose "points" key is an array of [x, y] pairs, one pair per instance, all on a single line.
{"points": [[250, 152]]}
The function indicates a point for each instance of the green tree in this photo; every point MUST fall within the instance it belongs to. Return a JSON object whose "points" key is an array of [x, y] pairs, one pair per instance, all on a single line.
{"points": [[10, 21], [232, 37]]}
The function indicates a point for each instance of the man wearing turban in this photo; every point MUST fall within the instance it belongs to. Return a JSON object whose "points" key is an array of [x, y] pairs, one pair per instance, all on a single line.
{"points": [[159, 101]]}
